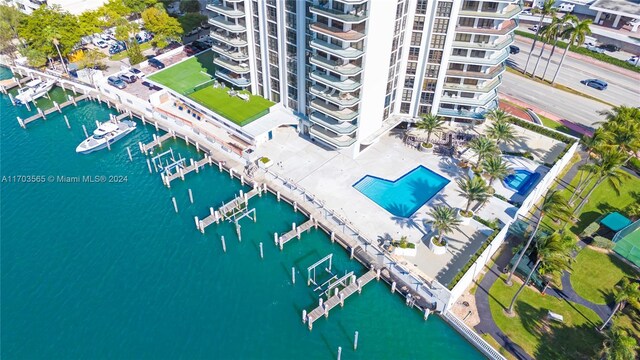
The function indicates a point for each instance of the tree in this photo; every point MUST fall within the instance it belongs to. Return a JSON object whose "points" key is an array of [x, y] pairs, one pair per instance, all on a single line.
{"points": [[606, 168], [618, 345], [473, 189], [165, 27], [547, 9], [549, 33], [627, 292], [92, 57], [576, 32], [483, 146], [189, 6], [553, 252], [501, 131], [47, 24], [554, 205], [137, 6], [559, 29], [443, 220], [91, 22], [114, 11], [497, 114], [430, 123], [135, 55], [10, 18], [496, 168]]}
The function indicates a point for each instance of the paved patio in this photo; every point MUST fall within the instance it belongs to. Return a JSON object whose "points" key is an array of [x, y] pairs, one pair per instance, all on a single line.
{"points": [[330, 176]]}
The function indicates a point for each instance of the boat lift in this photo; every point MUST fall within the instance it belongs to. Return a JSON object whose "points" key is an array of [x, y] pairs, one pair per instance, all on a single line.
{"points": [[167, 163]]}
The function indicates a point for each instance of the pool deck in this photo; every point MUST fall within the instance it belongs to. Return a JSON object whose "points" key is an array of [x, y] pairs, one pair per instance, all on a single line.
{"points": [[514, 163], [330, 176]]}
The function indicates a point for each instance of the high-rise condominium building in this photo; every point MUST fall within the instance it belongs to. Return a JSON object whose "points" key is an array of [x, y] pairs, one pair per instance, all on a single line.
{"points": [[353, 69]]}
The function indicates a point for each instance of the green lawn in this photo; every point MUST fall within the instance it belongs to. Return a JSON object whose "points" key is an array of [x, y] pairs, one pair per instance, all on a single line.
{"points": [[595, 274], [187, 74], [558, 127], [232, 107], [123, 54], [575, 338]]}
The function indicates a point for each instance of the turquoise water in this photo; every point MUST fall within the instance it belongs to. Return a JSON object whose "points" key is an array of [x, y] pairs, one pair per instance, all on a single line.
{"points": [[109, 270], [404, 196], [521, 180]]}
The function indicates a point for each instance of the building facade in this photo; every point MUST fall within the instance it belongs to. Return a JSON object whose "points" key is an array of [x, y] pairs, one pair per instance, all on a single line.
{"points": [[73, 6], [354, 69]]}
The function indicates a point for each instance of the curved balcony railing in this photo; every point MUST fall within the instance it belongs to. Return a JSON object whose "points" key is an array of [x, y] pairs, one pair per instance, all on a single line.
{"points": [[331, 138], [334, 96], [334, 82], [345, 114], [345, 53], [342, 128]]}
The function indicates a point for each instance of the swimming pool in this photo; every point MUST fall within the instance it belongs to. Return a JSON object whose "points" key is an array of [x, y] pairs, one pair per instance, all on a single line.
{"points": [[522, 180], [404, 196]]}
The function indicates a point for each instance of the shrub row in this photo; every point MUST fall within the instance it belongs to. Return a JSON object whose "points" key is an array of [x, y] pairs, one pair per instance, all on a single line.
{"points": [[514, 203], [584, 51], [541, 130], [485, 244], [603, 242]]}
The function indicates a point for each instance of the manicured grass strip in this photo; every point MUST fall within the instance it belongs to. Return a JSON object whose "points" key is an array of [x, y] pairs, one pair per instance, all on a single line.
{"points": [[575, 338], [584, 51], [232, 107], [187, 74], [123, 54], [489, 339], [558, 127], [595, 275]]}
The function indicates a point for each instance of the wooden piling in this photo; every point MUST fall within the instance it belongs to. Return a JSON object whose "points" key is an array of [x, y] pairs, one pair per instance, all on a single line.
{"points": [[261, 252], [129, 152], [84, 128], [190, 196], [224, 245], [66, 120], [355, 341], [175, 204], [293, 275]]}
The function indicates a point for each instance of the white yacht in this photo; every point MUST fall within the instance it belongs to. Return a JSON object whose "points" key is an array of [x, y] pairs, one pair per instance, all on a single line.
{"points": [[108, 132], [33, 90]]}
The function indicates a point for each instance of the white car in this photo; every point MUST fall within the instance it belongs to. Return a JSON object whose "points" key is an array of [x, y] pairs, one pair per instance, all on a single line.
{"points": [[534, 28], [595, 49], [206, 39], [634, 60], [100, 43]]}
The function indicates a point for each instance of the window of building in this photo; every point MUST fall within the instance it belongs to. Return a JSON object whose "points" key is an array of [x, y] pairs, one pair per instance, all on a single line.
{"points": [[406, 95], [429, 85], [443, 9], [432, 70], [405, 107], [421, 7], [440, 25], [435, 56], [482, 39], [416, 38], [437, 41], [411, 68], [425, 110], [414, 52], [466, 21], [459, 52], [485, 23], [426, 97], [418, 23], [408, 82], [463, 37]]}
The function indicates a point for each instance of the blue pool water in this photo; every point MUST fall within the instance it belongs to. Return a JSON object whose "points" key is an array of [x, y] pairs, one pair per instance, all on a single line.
{"points": [[521, 180], [406, 195]]}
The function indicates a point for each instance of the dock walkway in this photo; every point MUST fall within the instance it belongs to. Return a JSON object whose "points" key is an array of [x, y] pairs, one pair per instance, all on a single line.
{"points": [[56, 107], [8, 84], [181, 172], [297, 232], [339, 297], [225, 210], [157, 141]]}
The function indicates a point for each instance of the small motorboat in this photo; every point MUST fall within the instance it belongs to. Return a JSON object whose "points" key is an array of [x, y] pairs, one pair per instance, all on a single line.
{"points": [[33, 90]]}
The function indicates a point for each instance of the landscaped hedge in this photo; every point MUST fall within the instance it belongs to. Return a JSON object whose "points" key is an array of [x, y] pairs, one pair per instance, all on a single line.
{"points": [[526, 154], [541, 130], [496, 229], [603, 242], [584, 51], [514, 203]]}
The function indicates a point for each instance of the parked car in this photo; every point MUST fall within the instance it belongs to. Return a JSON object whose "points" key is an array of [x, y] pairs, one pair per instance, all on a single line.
{"points": [[128, 78], [534, 28], [513, 49], [195, 31], [143, 37], [116, 82], [106, 36], [153, 62], [116, 48], [595, 49], [151, 86], [206, 39], [189, 50], [634, 60], [205, 25], [200, 46], [137, 72], [595, 83], [610, 47], [100, 43]]}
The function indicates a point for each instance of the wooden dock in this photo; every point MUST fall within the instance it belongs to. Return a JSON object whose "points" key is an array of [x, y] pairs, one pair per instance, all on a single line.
{"points": [[56, 107], [225, 210], [296, 232], [338, 298], [181, 172], [8, 84], [157, 141]]}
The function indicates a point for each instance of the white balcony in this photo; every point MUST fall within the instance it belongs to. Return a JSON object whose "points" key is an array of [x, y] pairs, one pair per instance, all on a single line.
{"points": [[492, 73], [347, 69], [235, 40], [342, 128], [508, 12], [219, 8], [344, 114], [486, 87], [238, 68], [331, 138], [223, 23], [334, 96], [334, 82], [502, 56], [477, 101], [352, 16], [236, 80], [349, 35], [345, 53], [230, 52]]}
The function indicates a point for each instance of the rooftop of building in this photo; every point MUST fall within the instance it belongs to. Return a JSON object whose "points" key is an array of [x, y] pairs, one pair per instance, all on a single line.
{"points": [[619, 7]]}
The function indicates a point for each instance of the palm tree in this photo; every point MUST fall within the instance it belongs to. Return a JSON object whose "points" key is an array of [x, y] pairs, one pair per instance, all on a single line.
{"points": [[501, 131], [625, 136], [553, 252], [497, 114], [554, 205], [496, 168], [443, 220], [547, 9], [559, 25], [473, 189], [618, 345], [576, 33], [549, 33], [430, 123], [483, 146], [606, 168], [628, 292]]}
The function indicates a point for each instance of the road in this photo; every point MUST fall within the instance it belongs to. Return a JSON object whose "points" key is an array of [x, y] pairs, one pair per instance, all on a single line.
{"points": [[622, 90]]}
